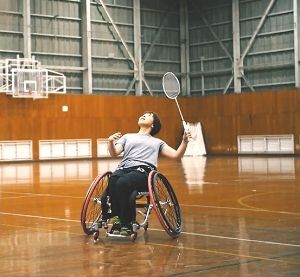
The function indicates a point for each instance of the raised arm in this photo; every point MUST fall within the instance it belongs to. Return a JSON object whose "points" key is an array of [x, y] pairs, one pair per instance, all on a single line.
{"points": [[170, 152], [114, 150]]}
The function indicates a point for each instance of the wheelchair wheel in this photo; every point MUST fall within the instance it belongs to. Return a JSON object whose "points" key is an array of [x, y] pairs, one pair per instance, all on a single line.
{"points": [[165, 203], [91, 209]]}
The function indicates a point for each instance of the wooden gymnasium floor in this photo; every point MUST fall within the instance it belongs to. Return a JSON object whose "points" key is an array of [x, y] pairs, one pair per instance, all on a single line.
{"points": [[241, 218]]}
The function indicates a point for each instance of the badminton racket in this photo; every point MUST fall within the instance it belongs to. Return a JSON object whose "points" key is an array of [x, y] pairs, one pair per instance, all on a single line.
{"points": [[171, 87]]}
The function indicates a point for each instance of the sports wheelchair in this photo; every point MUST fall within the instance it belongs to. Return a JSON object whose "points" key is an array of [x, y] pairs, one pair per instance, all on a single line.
{"points": [[160, 197]]}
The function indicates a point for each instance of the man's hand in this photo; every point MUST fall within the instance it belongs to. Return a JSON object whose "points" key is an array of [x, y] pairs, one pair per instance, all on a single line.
{"points": [[187, 136]]}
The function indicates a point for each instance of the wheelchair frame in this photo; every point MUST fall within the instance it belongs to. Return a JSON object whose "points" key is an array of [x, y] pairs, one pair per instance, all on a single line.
{"points": [[160, 197]]}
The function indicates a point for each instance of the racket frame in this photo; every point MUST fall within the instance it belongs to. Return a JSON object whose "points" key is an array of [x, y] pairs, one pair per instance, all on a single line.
{"points": [[185, 125]]}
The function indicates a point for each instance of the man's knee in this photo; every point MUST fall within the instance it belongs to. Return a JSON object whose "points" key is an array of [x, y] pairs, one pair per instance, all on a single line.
{"points": [[122, 185], [132, 198]]}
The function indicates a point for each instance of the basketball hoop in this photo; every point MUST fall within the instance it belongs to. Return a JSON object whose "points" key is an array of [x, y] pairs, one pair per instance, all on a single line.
{"points": [[26, 78], [29, 83]]}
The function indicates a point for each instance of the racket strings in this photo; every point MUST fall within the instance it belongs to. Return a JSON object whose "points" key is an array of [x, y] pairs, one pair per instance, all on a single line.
{"points": [[171, 85]]}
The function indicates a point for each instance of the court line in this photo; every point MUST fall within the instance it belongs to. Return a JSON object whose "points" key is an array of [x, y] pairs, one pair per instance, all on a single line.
{"points": [[251, 209], [241, 239], [234, 264], [14, 197], [233, 238], [41, 194], [161, 230], [41, 217], [257, 258], [211, 251], [241, 199], [217, 252], [41, 229]]}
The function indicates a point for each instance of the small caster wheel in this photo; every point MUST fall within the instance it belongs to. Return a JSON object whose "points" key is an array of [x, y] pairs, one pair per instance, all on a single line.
{"points": [[105, 225], [96, 236], [133, 236]]}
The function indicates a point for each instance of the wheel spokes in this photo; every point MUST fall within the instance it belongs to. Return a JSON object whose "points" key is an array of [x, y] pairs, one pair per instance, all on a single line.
{"points": [[166, 204]]}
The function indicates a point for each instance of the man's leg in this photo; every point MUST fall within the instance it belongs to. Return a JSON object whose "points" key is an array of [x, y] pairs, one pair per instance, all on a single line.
{"points": [[126, 184], [113, 194]]}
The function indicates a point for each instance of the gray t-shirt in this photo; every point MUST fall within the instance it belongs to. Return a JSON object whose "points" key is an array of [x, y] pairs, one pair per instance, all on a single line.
{"points": [[140, 149]]}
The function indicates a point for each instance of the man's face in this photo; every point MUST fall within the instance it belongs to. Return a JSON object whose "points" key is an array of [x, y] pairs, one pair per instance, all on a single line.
{"points": [[146, 119]]}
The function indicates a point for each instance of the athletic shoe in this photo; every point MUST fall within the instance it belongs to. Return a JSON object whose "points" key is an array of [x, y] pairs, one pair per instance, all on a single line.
{"points": [[125, 231], [116, 225], [115, 220]]}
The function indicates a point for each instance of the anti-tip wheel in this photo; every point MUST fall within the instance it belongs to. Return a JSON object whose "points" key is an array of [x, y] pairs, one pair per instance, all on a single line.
{"points": [[96, 236], [133, 237], [146, 227]]}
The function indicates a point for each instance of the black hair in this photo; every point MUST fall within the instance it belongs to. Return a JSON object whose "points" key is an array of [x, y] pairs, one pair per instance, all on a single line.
{"points": [[156, 123]]}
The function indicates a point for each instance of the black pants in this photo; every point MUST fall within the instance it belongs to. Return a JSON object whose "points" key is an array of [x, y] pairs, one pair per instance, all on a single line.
{"points": [[121, 186]]}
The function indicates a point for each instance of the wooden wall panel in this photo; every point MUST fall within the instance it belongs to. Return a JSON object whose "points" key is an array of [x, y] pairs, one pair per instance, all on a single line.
{"points": [[227, 106], [284, 102], [282, 121], [297, 131], [257, 103], [223, 118], [89, 116]]}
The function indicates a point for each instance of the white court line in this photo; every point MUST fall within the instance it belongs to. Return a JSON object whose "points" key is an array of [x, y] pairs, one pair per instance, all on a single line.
{"points": [[182, 205], [42, 194], [161, 230], [233, 238], [40, 217], [240, 209], [14, 197]]}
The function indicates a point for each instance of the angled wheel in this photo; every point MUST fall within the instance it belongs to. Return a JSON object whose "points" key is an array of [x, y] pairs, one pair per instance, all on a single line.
{"points": [[91, 209], [133, 236], [165, 203]]}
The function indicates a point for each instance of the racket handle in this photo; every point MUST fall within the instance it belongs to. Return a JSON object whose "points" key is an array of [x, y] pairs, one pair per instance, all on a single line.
{"points": [[186, 128], [185, 125]]}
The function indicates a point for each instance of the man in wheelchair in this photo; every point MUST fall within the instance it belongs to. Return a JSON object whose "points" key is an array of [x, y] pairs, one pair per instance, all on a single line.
{"points": [[140, 155]]}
